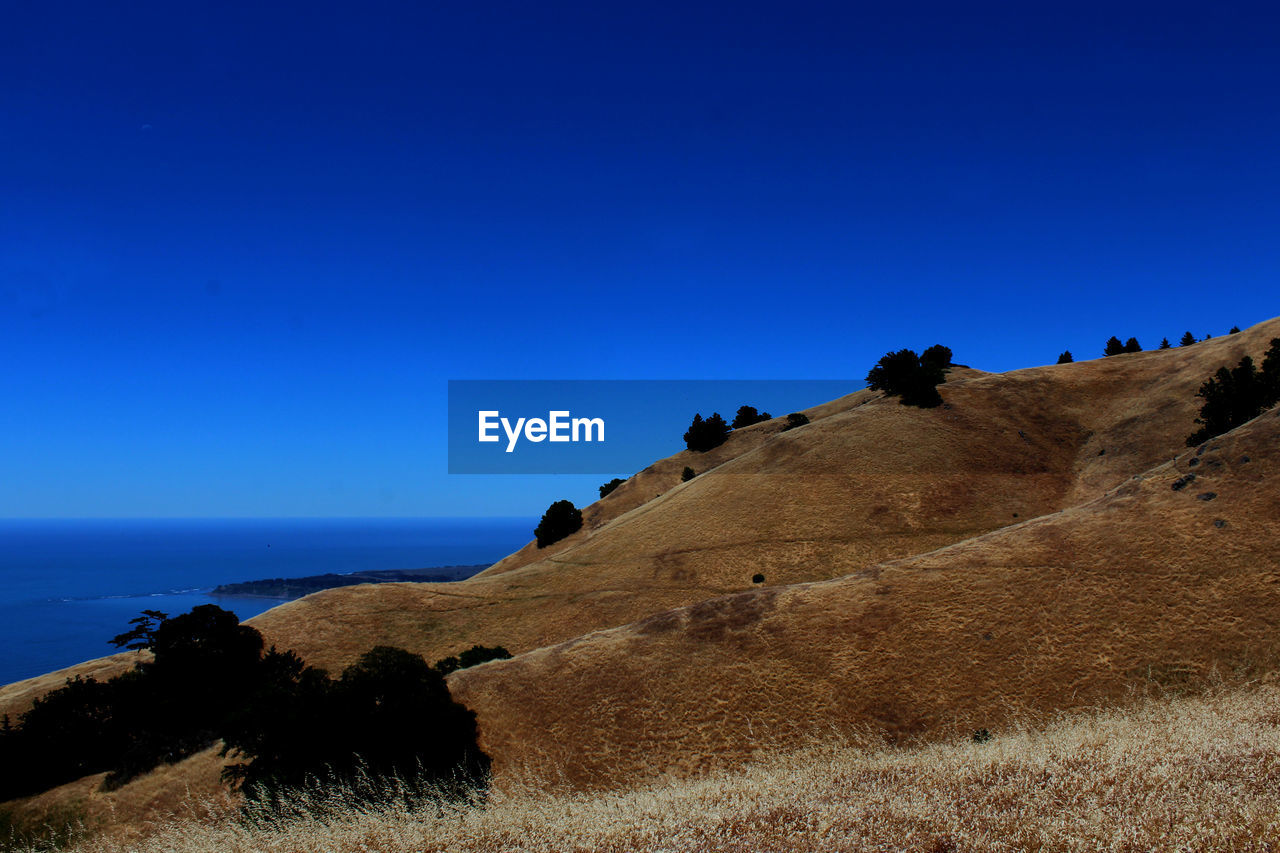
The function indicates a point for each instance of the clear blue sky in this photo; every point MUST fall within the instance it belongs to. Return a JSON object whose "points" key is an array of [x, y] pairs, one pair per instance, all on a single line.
{"points": [[243, 246]]}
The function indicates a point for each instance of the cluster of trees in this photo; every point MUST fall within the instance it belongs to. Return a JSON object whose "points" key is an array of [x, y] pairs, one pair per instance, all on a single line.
{"points": [[1233, 396], [706, 434], [561, 519], [912, 377], [208, 679], [1115, 347]]}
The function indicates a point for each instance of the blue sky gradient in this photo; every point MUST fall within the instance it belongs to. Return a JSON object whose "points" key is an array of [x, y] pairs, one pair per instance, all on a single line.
{"points": [[242, 250]]}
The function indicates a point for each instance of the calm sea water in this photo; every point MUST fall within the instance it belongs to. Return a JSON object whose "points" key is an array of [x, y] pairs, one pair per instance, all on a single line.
{"points": [[68, 586]]}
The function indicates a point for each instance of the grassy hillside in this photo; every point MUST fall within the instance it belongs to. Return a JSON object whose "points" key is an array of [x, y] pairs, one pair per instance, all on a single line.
{"points": [[1145, 585], [868, 481], [928, 572], [1197, 774]]}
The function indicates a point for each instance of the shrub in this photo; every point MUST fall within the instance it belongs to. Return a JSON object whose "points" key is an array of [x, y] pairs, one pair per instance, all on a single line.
{"points": [[608, 487], [706, 435], [757, 578], [1066, 357], [687, 474], [1164, 343], [747, 415], [561, 519], [1235, 330], [906, 375], [1187, 339], [796, 419], [1114, 346], [473, 656]]}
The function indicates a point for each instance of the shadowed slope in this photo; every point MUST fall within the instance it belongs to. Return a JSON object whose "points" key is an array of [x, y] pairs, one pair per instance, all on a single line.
{"points": [[1188, 774], [1145, 585]]}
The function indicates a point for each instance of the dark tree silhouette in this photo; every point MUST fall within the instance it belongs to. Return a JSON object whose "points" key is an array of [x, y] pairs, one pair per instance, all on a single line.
{"points": [[1235, 396], [1164, 343], [208, 679], [608, 487], [143, 633], [473, 656], [1187, 339], [687, 474], [903, 374], [747, 415], [1066, 357], [1132, 345], [390, 714], [561, 519], [1235, 330], [477, 655], [937, 356], [1114, 346], [703, 435], [1271, 373]]}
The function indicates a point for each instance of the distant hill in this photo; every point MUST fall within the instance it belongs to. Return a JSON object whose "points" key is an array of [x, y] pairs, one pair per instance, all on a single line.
{"points": [[290, 588]]}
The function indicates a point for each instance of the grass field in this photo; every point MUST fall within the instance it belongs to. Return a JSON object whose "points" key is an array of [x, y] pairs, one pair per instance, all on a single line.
{"points": [[1189, 773]]}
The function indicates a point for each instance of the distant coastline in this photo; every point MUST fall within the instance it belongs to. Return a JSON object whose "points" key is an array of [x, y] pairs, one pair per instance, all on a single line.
{"points": [[291, 588]]}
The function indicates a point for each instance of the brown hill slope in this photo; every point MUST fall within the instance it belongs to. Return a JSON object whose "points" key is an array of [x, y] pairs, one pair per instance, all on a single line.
{"points": [[869, 480], [1151, 583]]}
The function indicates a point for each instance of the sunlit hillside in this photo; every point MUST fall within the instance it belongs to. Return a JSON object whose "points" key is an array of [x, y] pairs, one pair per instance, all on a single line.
{"points": [[1023, 549]]}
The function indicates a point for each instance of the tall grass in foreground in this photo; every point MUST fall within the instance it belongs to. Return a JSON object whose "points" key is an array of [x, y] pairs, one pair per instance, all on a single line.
{"points": [[1178, 774]]}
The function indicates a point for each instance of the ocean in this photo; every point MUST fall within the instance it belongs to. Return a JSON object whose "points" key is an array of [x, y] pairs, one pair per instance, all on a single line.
{"points": [[68, 586]]}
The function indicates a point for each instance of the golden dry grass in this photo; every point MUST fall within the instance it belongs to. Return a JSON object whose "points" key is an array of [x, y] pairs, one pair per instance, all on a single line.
{"points": [[192, 788], [16, 698], [867, 481], [1198, 774], [941, 615], [1136, 588]]}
